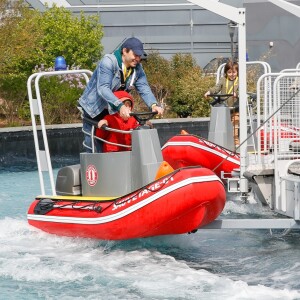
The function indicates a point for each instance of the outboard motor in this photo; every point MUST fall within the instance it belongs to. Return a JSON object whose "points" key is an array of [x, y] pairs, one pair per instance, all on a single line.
{"points": [[220, 127], [68, 181]]}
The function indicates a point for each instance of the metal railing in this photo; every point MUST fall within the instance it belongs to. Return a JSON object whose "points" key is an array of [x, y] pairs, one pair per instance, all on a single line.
{"points": [[36, 110], [265, 66], [94, 137]]}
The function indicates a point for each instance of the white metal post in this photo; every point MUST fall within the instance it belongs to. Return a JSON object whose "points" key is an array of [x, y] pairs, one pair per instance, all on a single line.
{"points": [[237, 15], [43, 156], [243, 99]]}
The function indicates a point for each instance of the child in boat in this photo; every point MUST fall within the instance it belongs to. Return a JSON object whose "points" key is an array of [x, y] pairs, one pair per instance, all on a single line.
{"points": [[115, 121], [229, 84]]}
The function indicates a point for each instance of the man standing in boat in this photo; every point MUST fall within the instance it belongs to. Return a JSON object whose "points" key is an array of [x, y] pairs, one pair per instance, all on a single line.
{"points": [[120, 70]]}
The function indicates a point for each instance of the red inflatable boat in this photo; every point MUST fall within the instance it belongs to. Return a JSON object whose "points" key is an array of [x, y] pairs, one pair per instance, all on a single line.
{"points": [[284, 132], [179, 202], [190, 150]]}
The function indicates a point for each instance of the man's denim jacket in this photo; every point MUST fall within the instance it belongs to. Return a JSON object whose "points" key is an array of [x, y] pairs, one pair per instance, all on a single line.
{"points": [[107, 79]]}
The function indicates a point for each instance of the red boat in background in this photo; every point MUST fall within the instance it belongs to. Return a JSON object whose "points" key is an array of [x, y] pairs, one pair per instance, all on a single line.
{"points": [[190, 150], [284, 131]]}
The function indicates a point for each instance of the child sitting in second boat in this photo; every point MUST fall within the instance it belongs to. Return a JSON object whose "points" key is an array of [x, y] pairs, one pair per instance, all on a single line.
{"points": [[116, 122], [229, 84]]}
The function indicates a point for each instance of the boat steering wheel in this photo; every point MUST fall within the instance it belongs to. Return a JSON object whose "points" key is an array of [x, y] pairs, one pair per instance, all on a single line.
{"points": [[143, 117], [219, 98]]}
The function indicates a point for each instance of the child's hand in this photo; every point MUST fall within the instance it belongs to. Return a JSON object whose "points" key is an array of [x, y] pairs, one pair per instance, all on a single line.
{"points": [[149, 124], [102, 122], [207, 94], [124, 112]]}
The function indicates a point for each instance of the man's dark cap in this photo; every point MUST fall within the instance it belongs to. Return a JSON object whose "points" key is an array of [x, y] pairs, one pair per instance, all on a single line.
{"points": [[135, 45]]}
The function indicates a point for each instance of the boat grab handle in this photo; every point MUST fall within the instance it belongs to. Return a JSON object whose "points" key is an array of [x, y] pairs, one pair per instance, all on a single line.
{"points": [[105, 127]]}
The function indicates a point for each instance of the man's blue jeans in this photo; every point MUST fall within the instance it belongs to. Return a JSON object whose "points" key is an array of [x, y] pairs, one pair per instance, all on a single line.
{"points": [[89, 131]]}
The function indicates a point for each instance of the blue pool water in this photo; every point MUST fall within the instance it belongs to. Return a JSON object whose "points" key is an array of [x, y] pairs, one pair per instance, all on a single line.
{"points": [[211, 264]]}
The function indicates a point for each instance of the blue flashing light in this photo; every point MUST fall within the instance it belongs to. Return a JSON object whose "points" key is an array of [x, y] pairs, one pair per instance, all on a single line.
{"points": [[60, 64]]}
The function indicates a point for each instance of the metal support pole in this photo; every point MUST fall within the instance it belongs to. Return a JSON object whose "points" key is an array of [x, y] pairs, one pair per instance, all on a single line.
{"points": [[237, 15], [243, 101]]}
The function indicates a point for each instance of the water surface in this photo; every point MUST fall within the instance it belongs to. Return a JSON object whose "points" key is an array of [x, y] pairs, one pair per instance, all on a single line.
{"points": [[211, 264]]}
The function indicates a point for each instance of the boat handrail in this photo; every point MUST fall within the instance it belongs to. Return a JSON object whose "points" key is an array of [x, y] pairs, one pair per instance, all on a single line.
{"points": [[105, 141], [137, 115], [36, 109], [104, 127]]}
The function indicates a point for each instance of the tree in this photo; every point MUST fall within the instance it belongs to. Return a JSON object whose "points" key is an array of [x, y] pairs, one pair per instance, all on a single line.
{"points": [[19, 35], [188, 87], [30, 38], [78, 39], [188, 98], [158, 72], [179, 84]]}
